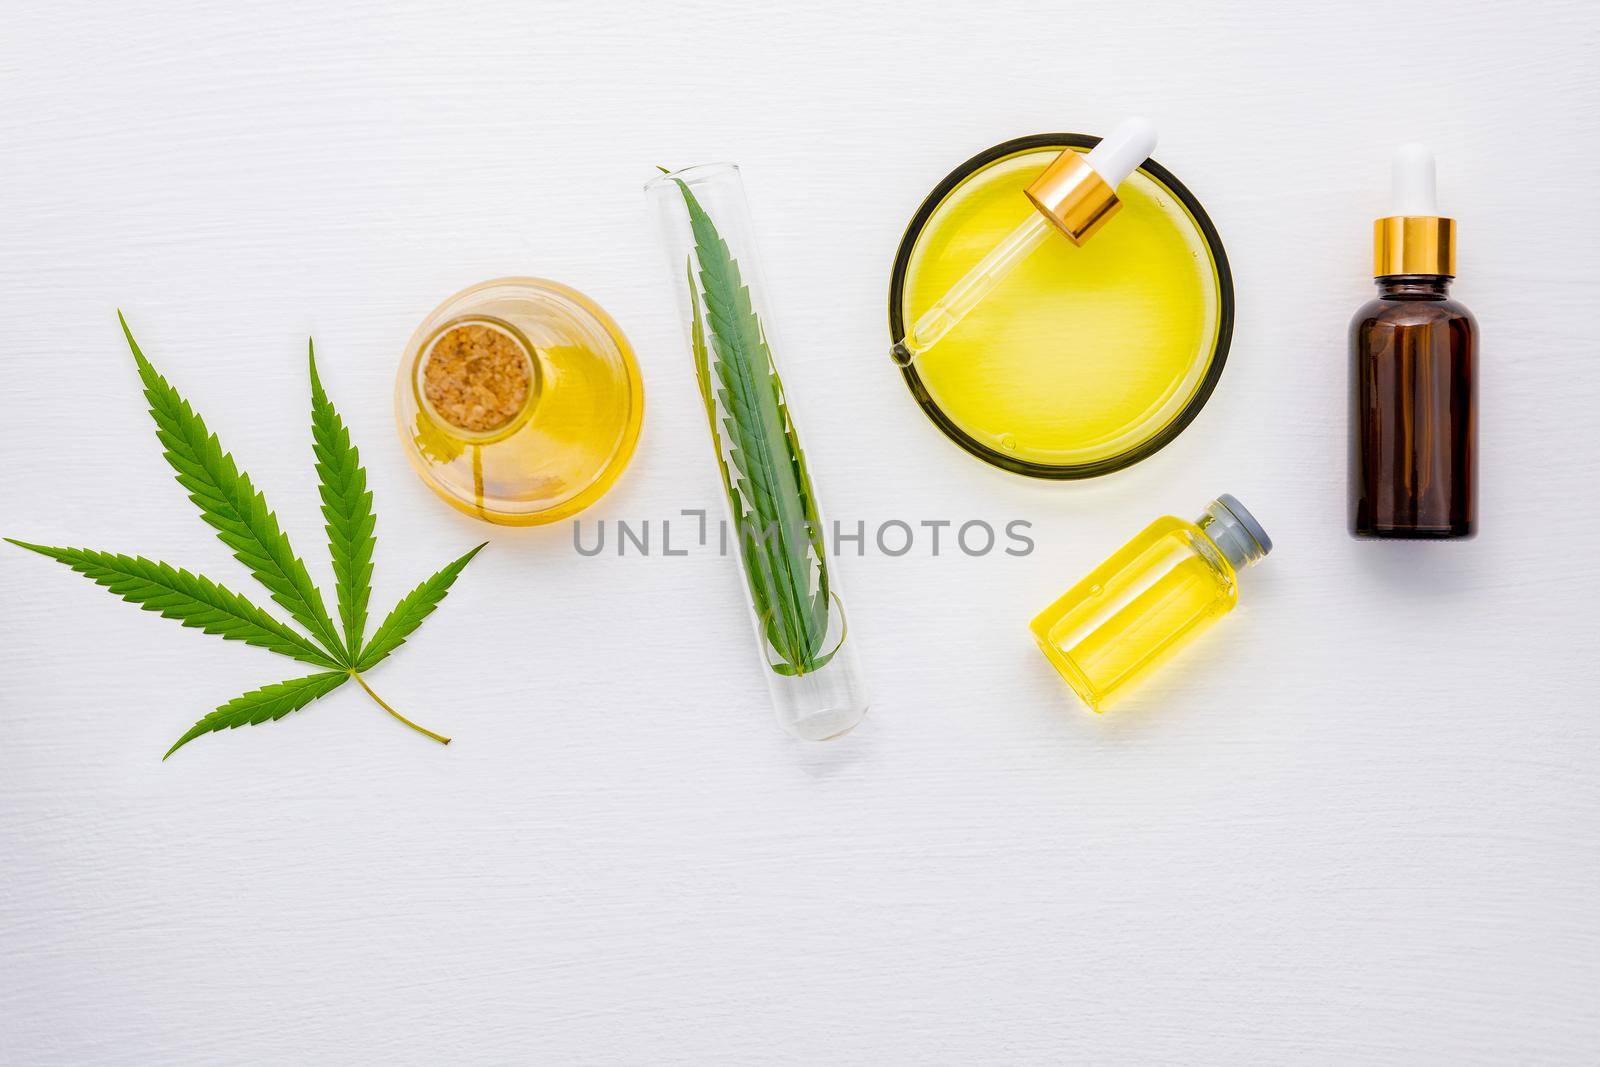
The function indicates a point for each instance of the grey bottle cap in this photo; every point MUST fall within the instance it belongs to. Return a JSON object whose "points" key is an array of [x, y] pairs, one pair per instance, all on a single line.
{"points": [[1235, 531]]}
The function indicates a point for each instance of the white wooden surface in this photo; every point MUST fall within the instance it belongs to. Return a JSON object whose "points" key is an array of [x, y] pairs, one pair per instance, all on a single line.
{"points": [[1359, 826]]}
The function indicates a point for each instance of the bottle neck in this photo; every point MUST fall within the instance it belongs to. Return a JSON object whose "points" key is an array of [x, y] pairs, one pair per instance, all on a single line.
{"points": [[1236, 533], [1414, 286]]}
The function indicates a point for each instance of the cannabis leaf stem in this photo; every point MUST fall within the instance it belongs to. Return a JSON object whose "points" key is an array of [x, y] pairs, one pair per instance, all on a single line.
{"points": [[230, 504], [362, 682]]}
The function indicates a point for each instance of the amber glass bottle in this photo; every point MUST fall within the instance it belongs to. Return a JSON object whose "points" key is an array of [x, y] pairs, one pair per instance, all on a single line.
{"points": [[1413, 361]]}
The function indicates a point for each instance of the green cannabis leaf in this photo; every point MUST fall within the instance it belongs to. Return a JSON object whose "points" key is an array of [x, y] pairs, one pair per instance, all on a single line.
{"points": [[230, 504], [774, 507], [347, 506], [267, 704], [192, 599], [409, 613]]}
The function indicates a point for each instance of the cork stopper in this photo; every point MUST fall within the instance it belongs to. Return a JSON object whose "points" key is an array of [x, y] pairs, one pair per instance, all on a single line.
{"points": [[477, 376]]}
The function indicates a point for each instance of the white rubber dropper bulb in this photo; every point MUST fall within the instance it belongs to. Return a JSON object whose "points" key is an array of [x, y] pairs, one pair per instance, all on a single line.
{"points": [[1122, 150], [1413, 182]]}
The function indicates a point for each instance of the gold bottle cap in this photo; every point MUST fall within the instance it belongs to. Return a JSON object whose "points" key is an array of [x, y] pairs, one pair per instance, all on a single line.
{"points": [[1078, 191], [1414, 244], [1074, 197]]}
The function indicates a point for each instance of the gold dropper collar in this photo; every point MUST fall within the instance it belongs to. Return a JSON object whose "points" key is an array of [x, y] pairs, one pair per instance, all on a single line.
{"points": [[1073, 196], [1414, 244]]}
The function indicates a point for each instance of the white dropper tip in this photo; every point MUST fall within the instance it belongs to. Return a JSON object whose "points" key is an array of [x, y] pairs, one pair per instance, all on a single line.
{"points": [[1414, 186], [1121, 152]]}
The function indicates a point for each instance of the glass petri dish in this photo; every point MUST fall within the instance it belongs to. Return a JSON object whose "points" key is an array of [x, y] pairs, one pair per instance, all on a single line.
{"points": [[519, 401], [1084, 360]]}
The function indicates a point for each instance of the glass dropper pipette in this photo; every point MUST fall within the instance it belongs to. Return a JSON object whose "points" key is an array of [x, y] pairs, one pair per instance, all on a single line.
{"points": [[1076, 195]]}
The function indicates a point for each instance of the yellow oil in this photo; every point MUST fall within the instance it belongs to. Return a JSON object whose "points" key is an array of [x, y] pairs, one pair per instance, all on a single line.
{"points": [[1081, 354], [575, 436], [1146, 603]]}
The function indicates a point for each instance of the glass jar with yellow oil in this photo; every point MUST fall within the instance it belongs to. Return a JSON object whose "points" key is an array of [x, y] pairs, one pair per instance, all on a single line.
{"points": [[1149, 600], [519, 401], [1070, 357]]}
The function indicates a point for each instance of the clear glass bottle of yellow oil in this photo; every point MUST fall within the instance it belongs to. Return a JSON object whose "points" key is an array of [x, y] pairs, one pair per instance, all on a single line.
{"points": [[1150, 600], [519, 401]]}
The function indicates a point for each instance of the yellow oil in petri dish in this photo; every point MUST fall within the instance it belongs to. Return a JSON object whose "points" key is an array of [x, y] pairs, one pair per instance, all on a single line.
{"points": [[1084, 359]]}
